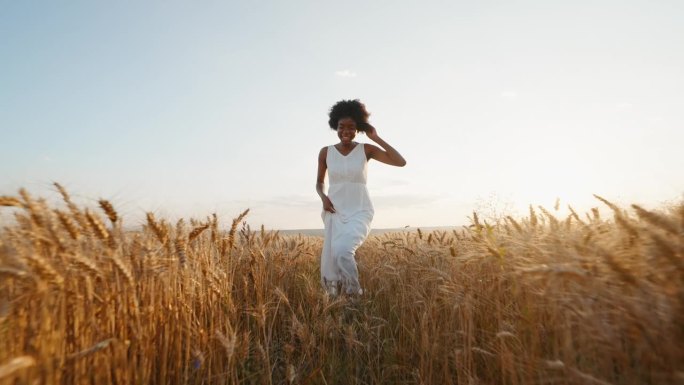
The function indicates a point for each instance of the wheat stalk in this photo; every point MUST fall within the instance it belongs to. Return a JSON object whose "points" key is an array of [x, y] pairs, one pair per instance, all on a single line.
{"points": [[34, 210], [657, 220], [44, 269], [159, 229], [86, 264], [109, 210], [196, 232], [15, 364], [122, 268], [68, 224], [230, 241], [75, 212], [181, 242], [8, 201], [97, 226], [533, 217], [12, 272]]}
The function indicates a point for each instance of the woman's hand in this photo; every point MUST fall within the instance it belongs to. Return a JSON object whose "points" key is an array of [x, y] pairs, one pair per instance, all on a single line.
{"points": [[371, 132], [327, 205]]}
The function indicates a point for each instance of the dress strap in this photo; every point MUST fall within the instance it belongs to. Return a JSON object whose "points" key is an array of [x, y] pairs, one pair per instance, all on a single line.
{"points": [[363, 151]]}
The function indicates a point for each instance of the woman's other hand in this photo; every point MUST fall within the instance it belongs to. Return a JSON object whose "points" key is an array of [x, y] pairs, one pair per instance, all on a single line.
{"points": [[327, 205]]}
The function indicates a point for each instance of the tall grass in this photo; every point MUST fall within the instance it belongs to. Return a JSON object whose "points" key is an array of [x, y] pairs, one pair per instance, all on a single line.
{"points": [[535, 300]]}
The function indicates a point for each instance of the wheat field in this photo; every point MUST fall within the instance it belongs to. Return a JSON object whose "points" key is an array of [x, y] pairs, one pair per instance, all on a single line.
{"points": [[533, 300]]}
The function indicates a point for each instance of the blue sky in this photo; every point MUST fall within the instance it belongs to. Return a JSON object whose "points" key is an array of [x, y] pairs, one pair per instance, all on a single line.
{"points": [[189, 108]]}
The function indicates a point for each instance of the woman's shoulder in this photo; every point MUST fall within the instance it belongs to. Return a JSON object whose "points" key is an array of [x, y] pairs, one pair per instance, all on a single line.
{"points": [[368, 148]]}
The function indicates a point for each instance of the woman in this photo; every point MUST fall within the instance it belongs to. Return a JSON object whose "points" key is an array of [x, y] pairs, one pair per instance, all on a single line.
{"points": [[347, 209]]}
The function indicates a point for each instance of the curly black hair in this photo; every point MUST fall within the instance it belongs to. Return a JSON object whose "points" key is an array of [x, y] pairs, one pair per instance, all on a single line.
{"points": [[349, 109]]}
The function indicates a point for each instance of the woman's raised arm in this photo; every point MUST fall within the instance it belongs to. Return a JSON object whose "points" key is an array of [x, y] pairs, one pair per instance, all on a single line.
{"points": [[387, 154]]}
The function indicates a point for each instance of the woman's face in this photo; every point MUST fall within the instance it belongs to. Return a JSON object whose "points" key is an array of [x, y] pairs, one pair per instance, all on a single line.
{"points": [[346, 130]]}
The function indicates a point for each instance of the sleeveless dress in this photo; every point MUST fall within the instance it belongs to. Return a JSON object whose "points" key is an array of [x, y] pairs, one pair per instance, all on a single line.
{"points": [[348, 227]]}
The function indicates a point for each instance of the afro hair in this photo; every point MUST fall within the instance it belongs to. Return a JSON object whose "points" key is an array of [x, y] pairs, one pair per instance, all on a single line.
{"points": [[349, 109]]}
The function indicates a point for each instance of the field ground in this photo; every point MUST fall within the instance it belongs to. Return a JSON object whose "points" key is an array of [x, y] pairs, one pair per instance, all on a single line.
{"points": [[534, 300]]}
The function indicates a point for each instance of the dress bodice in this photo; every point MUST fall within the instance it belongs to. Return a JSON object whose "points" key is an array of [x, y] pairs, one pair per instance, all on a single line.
{"points": [[351, 168], [347, 176]]}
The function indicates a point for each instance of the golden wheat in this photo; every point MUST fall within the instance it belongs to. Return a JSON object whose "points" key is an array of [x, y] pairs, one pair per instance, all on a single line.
{"points": [[97, 226], [159, 229], [10, 201], [520, 301], [109, 210]]}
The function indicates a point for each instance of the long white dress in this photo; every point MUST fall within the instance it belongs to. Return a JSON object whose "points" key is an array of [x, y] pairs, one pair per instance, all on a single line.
{"points": [[348, 227]]}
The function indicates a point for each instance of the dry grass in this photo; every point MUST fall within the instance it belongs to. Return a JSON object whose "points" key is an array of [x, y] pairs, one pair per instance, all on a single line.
{"points": [[535, 300]]}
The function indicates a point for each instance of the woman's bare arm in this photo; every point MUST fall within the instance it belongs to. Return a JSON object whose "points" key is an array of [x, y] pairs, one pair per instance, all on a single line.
{"points": [[387, 154], [320, 180]]}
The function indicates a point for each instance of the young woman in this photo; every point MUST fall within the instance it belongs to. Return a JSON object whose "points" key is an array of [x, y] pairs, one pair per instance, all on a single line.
{"points": [[347, 209]]}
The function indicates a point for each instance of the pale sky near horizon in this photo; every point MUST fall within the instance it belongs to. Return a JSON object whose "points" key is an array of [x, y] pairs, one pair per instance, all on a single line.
{"points": [[189, 108]]}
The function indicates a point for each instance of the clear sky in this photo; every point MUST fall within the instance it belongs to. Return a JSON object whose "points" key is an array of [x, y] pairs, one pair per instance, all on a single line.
{"points": [[187, 108]]}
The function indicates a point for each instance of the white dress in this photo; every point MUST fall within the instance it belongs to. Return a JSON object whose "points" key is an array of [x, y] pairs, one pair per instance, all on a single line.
{"points": [[348, 227]]}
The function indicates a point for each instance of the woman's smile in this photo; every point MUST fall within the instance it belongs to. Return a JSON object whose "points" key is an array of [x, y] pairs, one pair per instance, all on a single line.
{"points": [[346, 130]]}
